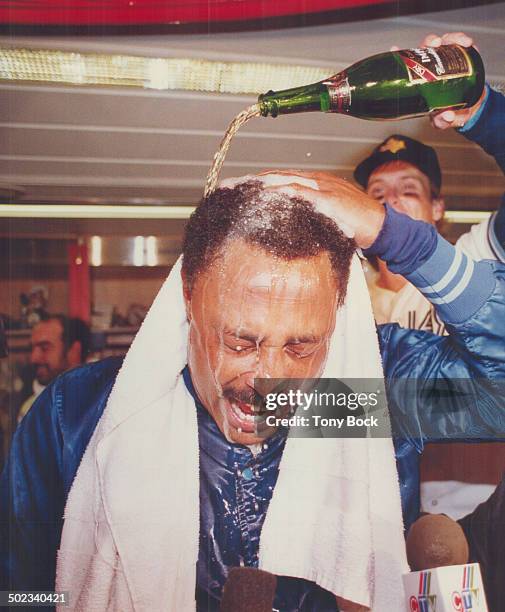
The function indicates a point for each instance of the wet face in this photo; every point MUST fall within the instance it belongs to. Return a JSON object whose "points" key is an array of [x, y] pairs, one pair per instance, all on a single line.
{"points": [[406, 189], [251, 316], [48, 351]]}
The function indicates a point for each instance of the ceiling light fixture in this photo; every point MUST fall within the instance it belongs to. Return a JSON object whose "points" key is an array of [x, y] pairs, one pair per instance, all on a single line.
{"points": [[89, 211], [108, 211], [187, 74]]}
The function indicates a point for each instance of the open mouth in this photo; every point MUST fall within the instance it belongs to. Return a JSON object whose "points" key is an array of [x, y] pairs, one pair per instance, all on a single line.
{"points": [[245, 416]]}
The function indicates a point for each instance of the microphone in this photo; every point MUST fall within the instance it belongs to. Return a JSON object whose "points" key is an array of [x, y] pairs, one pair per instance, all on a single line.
{"points": [[435, 540], [248, 589], [441, 577]]}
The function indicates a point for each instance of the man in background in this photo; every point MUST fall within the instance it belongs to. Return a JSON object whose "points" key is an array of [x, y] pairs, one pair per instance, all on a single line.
{"points": [[406, 174], [58, 343]]}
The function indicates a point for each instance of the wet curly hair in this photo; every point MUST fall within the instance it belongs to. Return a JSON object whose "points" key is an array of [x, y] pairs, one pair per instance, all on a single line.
{"points": [[284, 226]]}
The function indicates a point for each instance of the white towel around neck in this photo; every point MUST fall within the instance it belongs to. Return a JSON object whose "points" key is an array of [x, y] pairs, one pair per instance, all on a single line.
{"points": [[131, 528]]}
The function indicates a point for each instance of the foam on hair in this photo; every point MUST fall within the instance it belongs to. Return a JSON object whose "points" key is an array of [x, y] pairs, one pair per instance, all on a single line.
{"points": [[286, 227]]}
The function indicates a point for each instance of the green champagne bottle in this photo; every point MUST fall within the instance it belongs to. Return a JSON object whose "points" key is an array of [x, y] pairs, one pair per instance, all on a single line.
{"points": [[394, 85]]}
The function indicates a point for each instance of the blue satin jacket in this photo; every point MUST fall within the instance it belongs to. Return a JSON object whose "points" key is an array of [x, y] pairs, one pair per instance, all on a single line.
{"points": [[50, 442]]}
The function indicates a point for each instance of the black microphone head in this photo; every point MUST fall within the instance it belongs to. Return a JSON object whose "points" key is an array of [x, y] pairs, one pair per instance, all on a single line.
{"points": [[248, 590]]}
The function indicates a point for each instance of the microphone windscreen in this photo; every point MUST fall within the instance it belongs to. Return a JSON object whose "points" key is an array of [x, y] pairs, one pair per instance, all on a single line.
{"points": [[435, 540], [248, 590]]}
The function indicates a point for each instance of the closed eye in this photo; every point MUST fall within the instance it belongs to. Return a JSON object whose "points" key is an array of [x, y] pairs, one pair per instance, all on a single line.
{"points": [[239, 346], [302, 349], [377, 195]]}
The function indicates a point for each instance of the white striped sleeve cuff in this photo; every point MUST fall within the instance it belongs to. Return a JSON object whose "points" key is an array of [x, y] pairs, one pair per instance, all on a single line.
{"points": [[452, 281]]}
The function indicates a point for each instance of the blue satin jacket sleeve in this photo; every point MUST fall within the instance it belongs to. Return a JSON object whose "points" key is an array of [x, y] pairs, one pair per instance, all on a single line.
{"points": [[45, 454], [473, 355], [31, 493], [487, 129]]}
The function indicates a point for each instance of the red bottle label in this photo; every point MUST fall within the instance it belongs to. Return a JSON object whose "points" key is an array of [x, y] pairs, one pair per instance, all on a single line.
{"points": [[434, 64], [339, 92]]}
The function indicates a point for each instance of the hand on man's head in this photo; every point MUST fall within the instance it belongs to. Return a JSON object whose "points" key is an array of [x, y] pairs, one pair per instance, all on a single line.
{"points": [[357, 214]]}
